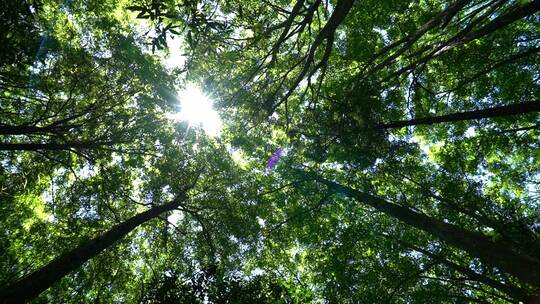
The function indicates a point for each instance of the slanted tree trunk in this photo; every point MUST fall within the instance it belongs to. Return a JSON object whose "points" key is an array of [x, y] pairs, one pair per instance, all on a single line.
{"points": [[515, 292], [498, 23], [519, 108], [442, 18], [35, 283], [494, 253], [22, 130], [326, 35], [54, 146]]}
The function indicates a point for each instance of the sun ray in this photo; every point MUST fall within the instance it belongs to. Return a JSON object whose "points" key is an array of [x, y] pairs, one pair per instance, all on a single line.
{"points": [[197, 110]]}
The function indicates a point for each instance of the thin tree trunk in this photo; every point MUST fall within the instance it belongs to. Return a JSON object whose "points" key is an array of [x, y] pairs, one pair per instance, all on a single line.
{"points": [[496, 254], [501, 21], [527, 241], [35, 283], [28, 130], [510, 59], [515, 292], [441, 18], [519, 108], [496, 24], [341, 10], [53, 146], [21, 130]]}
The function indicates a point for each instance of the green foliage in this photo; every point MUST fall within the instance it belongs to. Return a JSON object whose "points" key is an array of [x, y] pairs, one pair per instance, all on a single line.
{"points": [[85, 144]]}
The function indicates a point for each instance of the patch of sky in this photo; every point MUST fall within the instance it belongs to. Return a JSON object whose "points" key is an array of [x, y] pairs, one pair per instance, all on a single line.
{"points": [[424, 146], [175, 58], [383, 33], [332, 166], [261, 222], [175, 217], [342, 35], [257, 272], [329, 7], [166, 192], [87, 212], [237, 156], [471, 132]]}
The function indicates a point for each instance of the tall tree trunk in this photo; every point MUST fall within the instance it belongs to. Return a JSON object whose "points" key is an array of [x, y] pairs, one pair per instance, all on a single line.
{"points": [[21, 130], [518, 108], [494, 253], [32, 285], [53, 146], [515, 292], [54, 128], [442, 18], [499, 22], [341, 10]]}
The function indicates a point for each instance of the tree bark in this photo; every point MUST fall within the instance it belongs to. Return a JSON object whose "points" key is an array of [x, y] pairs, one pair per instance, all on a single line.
{"points": [[519, 108], [22, 130], [501, 21], [496, 24], [494, 253], [35, 283], [515, 292], [54, 128], [341, 10], [53, 146], [441, 18]]}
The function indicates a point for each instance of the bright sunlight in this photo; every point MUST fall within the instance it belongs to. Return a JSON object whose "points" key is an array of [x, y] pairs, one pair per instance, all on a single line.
{"points": [[197, 110]]}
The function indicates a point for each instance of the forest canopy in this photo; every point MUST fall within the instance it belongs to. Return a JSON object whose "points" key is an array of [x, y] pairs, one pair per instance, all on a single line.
{"points": [[360, 152]]}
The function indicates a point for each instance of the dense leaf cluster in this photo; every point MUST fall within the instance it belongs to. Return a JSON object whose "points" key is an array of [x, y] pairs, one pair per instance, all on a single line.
{"points": [[408, 139]]}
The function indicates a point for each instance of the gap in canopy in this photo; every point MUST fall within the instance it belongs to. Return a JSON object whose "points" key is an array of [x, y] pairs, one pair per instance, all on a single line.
{"points": [[197, 109]]}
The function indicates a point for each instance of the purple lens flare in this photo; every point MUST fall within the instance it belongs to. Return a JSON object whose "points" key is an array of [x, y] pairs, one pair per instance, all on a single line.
{"points": [[272, 162]]}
